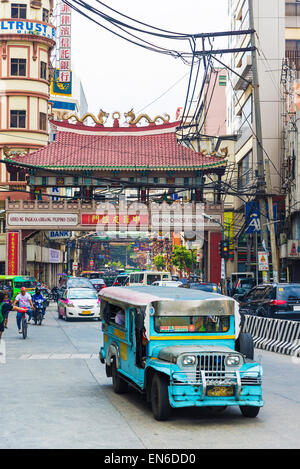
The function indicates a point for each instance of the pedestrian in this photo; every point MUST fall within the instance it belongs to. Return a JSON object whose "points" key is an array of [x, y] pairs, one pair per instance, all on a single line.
{"points": [[7, 307], [4, 309]]}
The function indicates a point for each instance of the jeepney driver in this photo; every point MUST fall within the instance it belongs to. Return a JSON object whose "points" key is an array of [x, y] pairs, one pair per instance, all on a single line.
{"points": [[24, 300]]}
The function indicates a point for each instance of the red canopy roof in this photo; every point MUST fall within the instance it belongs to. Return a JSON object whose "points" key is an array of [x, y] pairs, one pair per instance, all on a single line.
{"points": [[135, 148]]}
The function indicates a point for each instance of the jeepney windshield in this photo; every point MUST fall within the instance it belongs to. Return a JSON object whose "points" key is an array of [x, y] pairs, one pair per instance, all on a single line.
{"points": [[25, 283], [188, 324]]}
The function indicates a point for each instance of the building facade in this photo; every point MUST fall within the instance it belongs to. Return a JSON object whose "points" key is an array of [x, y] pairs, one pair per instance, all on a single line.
{"points": [[270, 35], [27, 37]]}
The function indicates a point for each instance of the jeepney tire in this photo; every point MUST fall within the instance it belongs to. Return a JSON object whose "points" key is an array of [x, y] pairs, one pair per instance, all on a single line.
{"points": [[108, 371], [249, 411], [120, 386], [160, 403], [245, 345]]}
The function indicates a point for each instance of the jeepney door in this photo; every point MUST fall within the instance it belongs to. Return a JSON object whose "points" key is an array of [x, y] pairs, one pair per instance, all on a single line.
{"points": [[135, 373]]}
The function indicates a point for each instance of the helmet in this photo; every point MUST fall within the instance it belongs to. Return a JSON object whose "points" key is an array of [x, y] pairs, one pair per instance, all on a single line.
{"points": [[37, 290], [23, 289]]}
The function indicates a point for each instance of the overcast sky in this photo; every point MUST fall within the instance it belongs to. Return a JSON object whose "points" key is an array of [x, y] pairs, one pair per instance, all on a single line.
{"points": [[118, 76]]}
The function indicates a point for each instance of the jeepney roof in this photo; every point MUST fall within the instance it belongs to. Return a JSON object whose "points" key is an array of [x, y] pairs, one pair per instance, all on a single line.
{"points": [[188, 300]]}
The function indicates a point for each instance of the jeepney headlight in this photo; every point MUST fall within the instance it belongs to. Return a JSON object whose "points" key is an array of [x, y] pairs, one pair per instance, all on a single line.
{"points": [[232, 360], [189, 360]]}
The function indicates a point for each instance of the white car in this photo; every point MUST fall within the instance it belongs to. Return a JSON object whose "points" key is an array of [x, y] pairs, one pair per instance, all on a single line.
{"points": [[167, 283], [79, 303]]}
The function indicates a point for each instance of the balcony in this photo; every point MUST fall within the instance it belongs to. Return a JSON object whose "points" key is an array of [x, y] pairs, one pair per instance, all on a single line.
{"points": [[245, 72]]}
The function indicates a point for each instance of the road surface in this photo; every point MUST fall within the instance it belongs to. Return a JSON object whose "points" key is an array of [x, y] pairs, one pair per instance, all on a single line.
{"points": [[55, 394]]}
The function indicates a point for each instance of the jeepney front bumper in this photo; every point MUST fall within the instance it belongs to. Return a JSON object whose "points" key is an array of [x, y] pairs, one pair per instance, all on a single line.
{"points": [[206, 388]]}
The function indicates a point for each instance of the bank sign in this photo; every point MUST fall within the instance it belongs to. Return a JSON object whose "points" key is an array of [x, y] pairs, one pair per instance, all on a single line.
{"points": [[59, 234], [27, 27]]}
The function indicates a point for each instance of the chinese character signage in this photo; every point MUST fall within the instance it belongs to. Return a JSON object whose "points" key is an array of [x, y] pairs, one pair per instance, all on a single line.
{"points": [[62, 80], [65, 44], [115, 220], [59, 87], [12, 253]]}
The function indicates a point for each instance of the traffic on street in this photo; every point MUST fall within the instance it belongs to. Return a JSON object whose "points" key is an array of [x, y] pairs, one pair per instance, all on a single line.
{"points": [[70, 403], [150, 227]]}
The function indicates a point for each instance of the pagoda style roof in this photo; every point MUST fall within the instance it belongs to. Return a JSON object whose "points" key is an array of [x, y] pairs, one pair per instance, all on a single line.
{"points": [[153, 147]]}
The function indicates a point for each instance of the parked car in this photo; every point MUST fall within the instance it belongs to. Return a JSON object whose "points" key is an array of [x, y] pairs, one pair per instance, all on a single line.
{"points": [[205, 286], [168, 283], [278, 300], [78, 303], [98, 283], [244, 285]]}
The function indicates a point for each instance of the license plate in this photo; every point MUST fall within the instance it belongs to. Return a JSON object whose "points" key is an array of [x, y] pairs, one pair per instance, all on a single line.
{"points": [[86, 312], [297, 308], [220, 391]]}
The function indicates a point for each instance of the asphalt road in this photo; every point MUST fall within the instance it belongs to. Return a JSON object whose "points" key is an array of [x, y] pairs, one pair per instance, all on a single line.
{"points": [[55, 394]]}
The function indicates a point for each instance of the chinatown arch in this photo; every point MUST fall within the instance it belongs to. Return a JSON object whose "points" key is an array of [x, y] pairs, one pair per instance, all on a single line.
{"points": [[144, 160]]}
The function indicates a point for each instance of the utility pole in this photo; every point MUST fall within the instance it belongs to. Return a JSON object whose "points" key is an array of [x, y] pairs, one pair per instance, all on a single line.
{"points": [[272, 225], [258, 131]]}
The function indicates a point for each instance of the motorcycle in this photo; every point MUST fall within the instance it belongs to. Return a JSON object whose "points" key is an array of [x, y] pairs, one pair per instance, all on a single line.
{"points": [[38, 313]]}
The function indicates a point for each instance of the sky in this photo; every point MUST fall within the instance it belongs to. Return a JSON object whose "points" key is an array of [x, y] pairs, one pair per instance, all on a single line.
{"points": [[118, 76]]}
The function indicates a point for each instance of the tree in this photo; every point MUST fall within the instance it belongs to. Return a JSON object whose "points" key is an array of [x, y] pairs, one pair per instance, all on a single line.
{"points": [[160, 262], [182, 258]]}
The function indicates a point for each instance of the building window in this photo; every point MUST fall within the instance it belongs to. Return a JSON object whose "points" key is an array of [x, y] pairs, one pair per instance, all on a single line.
{"points": [[45, 15], [292, 8], [18, 10], [18, 119], [43, 121], [222, 80], [18, 67], [43, 71], [244, 170], [292, 52]]}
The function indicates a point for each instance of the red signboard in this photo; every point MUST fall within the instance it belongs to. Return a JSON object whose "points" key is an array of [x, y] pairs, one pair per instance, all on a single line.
{"points": [[12, 253], [114, 220], [214, 257]]}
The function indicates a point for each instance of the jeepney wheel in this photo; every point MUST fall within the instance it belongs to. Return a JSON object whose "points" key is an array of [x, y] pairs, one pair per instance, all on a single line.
{"points": [[160, 397], [119, 385], [249, 411], [245, 345]]}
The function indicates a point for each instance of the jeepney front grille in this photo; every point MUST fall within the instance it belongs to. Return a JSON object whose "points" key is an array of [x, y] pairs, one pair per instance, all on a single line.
{"points": [[211, 362]]}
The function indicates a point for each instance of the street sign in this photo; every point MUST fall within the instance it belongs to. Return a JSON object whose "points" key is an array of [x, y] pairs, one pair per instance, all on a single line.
{"points": [[223, 272], [263, 262]]}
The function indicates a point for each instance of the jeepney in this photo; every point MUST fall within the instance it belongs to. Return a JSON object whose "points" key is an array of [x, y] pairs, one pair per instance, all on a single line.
{"points": [[180, 347]]}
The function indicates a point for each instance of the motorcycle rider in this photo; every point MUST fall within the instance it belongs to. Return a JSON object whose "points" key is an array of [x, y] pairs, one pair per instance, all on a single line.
{"points": [[38, 296], [24, 301]]}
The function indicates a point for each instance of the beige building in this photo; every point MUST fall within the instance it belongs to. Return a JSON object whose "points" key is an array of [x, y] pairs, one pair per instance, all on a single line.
{"points": [[26, 39]]}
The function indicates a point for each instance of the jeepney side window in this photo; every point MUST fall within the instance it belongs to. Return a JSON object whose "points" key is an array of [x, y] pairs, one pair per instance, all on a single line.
{"points": [[132, 313], [131, 278]]}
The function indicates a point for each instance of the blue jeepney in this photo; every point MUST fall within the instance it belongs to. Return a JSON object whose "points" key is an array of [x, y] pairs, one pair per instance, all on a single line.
{"points": [[180, 347]]}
